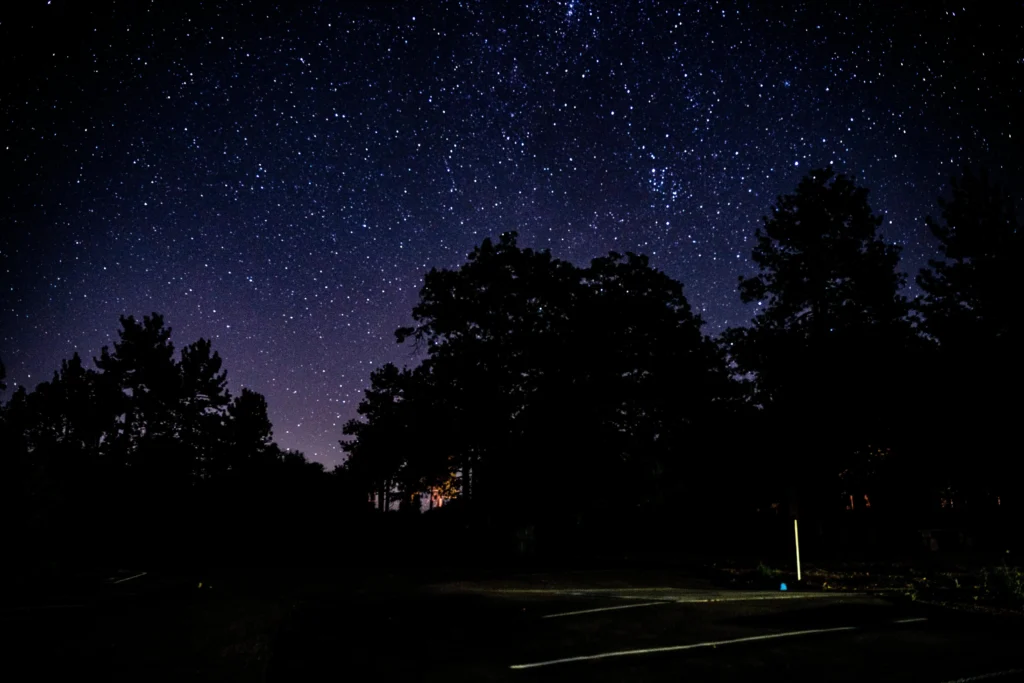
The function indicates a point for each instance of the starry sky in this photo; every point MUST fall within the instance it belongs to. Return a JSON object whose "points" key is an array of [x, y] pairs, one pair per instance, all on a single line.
{"points": [[279, 177]]}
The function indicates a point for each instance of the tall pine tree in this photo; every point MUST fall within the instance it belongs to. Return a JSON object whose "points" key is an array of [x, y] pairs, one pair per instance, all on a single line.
{"points": [[202, 410], [970, 309], [972, 293], [830, 331]]}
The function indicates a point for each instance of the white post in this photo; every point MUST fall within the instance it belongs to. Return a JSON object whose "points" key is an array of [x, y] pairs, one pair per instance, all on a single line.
{"points": [[796, 538]]}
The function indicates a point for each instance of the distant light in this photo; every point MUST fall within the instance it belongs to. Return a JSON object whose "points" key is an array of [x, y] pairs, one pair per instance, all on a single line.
{"points": [[783, 587]]}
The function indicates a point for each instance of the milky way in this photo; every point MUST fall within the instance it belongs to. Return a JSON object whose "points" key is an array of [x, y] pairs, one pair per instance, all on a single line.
{"points": [[279, 178]]}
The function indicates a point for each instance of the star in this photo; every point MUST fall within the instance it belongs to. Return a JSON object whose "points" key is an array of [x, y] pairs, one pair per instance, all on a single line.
{"points": [[280, 177]]}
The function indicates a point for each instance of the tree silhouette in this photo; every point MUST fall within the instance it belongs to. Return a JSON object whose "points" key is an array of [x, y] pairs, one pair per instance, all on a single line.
{"points": [[486, 327], [554, 393], [969, 307], [250, 434], [971, 293], [580, 401], [142, 368], [382, 437], [65, 422], [149, 454], [71, 419], [831, 330], [20, 483], [202, 409]]}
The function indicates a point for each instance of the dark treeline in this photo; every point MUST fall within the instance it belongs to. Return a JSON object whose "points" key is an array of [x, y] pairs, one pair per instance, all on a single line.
{"points": [[569, 409], [582, 408], [149, 458]]}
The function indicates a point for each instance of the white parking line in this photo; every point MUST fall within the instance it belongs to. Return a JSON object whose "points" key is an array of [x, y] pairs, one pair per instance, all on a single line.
{"points": [[669, 600], [775, 596], [985, 677], [677, 648], [910, 621], [131, 577], [716, 643], [606, 609]]}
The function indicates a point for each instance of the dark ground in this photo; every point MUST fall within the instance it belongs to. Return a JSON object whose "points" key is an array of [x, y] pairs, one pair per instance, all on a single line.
{"points": [[323, 626]]}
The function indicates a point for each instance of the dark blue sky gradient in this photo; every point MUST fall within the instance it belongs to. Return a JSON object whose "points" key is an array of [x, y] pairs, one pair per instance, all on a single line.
{"points": [[279, 178]]}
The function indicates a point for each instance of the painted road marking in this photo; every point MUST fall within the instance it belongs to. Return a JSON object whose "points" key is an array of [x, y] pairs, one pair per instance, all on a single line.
{"points": [[681, 594], [677, 648], [691, 646], [778, 596], [704, 600], [985, 677], [131, 577], [911, 620], [606, 609]]}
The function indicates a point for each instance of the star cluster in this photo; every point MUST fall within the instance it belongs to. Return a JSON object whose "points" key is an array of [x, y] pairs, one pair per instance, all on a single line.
{"points": [[279, 177]]}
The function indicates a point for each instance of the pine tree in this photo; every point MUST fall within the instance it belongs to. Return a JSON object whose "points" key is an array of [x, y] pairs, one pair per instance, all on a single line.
{"points": [[971, 294], [202, 410], [831, 329], [144, 374], [970, 309], [250, 434]]}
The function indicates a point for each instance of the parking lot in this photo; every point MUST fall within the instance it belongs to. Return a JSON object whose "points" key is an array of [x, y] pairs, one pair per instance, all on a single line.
{"points": [[467, 632], [149, 626]]}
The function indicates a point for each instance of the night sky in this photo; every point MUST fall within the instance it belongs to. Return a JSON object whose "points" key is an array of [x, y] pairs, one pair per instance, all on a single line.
{"points": [[279, 178]]}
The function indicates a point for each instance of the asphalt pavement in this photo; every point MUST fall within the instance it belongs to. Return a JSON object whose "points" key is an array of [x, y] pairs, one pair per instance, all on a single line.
{"points": [[502, 633], [144, 625]]}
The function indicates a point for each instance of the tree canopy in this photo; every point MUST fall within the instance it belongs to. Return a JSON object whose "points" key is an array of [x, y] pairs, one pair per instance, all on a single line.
{"points": [[576, 399], [142, 450], [548, 390], [971, 293], [831, 334], [969, 308]]}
